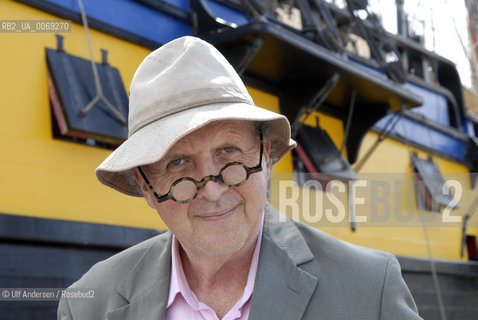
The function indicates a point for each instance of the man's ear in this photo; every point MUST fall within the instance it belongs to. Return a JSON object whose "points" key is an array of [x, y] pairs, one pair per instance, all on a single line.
{"points": [[150, 199]]}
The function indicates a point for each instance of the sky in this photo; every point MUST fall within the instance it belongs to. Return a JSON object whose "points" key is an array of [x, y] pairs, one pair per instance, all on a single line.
{"points": [[442, 22]]}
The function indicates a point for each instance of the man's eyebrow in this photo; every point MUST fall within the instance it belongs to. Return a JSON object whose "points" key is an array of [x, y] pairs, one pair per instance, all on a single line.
{"points": [[237, 143], [232, 141], [240, 141]]}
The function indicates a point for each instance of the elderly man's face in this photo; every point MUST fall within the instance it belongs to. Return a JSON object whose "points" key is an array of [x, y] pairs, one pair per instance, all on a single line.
{"points": [[221, 219]]}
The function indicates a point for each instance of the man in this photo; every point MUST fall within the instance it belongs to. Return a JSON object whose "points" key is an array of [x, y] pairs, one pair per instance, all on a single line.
{"points": [[200, 152]]}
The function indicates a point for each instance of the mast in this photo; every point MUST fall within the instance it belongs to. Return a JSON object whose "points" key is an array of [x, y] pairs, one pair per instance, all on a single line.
{"points": [[402, 26]]}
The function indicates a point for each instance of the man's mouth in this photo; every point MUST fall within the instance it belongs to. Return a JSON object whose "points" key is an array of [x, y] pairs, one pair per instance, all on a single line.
{"points": [[218, 215]]}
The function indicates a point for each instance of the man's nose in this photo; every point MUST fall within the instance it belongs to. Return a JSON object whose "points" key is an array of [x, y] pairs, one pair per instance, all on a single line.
{"points": [[211, 190]]}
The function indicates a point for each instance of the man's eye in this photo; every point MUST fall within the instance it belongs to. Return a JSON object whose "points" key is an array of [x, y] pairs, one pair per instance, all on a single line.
{"points": [[229, 149], [176, 162]]}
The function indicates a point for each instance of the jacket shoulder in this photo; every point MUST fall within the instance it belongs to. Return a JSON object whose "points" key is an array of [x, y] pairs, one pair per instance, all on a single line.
{"points": [[352, 282], [324, 245], [105, 278], [108, 272]]}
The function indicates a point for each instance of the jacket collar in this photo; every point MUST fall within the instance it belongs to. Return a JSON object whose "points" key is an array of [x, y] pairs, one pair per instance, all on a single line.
{"points": [[282, 289]]}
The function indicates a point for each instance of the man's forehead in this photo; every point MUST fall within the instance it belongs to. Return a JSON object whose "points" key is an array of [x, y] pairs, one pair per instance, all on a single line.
{"points": [[216, 133], [232, 128]]}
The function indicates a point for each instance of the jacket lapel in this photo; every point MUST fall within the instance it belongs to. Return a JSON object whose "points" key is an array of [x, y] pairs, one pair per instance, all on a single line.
{"points": [[146, 286], [282, 289]]}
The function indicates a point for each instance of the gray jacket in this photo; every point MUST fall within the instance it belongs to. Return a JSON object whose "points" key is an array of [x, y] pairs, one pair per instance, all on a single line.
{"points": [[303, 273]]}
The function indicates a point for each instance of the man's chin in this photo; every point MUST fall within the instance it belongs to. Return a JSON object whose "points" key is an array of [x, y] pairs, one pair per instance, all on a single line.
{"points": [[222, 246]]}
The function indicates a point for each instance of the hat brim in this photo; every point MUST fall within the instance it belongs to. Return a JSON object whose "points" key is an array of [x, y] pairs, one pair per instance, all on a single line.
{"points": [[150, 143]]}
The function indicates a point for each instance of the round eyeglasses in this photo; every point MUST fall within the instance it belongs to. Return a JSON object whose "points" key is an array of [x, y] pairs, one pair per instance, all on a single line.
{"points": [[184, 190]]}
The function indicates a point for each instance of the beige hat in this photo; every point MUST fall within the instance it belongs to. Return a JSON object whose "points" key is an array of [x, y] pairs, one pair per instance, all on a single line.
{"points": [[179, 88]]}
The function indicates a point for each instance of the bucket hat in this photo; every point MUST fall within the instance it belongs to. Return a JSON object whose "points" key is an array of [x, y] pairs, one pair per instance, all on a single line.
{"points": [[184, 85]]}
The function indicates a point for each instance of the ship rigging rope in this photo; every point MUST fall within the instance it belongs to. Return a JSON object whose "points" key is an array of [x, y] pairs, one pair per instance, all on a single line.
{"points": [[349, 120], [383, 134], [471, 210], [414, 18], [99, 89], [315, 103], [470, 53], [457, 32], [436, 282]]}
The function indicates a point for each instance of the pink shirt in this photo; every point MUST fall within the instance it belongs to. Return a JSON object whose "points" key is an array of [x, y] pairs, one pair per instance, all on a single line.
{"points": [[183, 303]]}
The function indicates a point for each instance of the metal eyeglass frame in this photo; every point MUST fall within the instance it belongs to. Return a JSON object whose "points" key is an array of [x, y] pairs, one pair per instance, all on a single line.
{"points": [[206, 179]]}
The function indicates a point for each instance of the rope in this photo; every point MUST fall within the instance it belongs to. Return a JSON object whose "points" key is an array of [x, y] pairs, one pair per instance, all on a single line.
{"points": [[463, 47], [384, 133], [99, 89], [436, 283], [468, 215], [315, 103], [349, 121]]}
